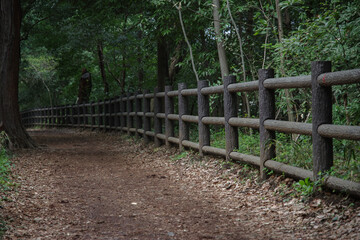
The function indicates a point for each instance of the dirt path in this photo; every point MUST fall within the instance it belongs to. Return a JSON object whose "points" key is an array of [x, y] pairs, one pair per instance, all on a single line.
{"points": [[84, 185]]}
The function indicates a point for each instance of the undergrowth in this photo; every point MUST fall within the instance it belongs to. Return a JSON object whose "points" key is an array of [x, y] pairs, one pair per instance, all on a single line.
{"points": [[299, 153], [6, 182]]}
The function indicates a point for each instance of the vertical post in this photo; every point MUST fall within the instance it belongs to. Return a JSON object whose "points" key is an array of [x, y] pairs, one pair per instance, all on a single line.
{"points": [[58, 116], [63, 115], [146, 120], [157, 121], [116, 113], [138, 120], [230, 110], [99, 114], [128, 109], [122, 111], [111, 113], [85, 112], [92, 113], [183, 110], [266, 111], [321, 114], [67, 114], [79, 112], [50, 117], [74, 115], [106, 113], [169, 109], [203, 111]]}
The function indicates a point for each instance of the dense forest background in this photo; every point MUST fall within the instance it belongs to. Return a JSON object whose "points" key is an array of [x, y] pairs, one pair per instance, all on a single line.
{"points": [[140, 44], [131, 45]]}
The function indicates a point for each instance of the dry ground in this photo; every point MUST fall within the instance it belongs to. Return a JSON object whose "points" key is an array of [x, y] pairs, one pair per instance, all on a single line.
{"points": [[88, 185]]}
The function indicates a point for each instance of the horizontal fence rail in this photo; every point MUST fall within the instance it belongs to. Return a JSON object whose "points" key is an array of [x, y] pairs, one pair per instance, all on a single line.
{"points": [[153, 116]]}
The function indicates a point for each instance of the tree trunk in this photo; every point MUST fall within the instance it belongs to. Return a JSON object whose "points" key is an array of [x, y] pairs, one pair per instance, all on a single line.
{"points": [[141, 72], [162, 63], [123, 78], [220, 44], [101, 65], [244, 96], [173, 68], [9, 74], [187, 42], [291, 115]]}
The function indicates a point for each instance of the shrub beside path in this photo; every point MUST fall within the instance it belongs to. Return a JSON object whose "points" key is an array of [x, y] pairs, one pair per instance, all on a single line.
{"points": [[88, 185]]}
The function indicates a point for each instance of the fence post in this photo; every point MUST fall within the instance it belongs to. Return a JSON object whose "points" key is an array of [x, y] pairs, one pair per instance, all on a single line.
{"points": [[116, 113], [183, 110], [79, 117], [92, 112], [62, 115], [111, 114], [203, 111], [106, 112], [138, 120], [128, 111], [321, 114], [67, 115], [122, 111], [49, 116], [266, 111], [85, 112], [73, 115], [157, 121], [99, 115], [146, 120], [169, 109], [230, 110]]}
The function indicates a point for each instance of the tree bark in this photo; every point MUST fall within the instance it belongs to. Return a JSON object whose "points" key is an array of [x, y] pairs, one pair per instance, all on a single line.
{"points": [[220, 44], [10, 18], [101, 65], [291, 115], [173, 68], [244, 96], [187, 42], [141, 71]]}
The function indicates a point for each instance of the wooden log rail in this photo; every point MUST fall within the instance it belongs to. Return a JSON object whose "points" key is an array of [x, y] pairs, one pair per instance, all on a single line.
{"points": [[131, 113]]}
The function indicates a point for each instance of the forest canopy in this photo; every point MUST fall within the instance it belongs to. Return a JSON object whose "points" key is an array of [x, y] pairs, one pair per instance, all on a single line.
{"points": [[131, 45]]}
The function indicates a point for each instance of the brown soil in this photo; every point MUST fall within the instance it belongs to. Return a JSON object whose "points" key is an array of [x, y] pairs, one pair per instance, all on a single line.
{"points": [[87, 185]]}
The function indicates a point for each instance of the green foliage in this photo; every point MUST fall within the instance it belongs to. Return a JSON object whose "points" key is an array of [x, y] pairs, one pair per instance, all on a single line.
{"points": [[304, 187], [297, 153], [6, 183], [60, 38], [179, 156]]}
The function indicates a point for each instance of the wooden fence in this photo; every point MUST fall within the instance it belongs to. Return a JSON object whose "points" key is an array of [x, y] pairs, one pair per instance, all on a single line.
{"points": [[131, 113]]}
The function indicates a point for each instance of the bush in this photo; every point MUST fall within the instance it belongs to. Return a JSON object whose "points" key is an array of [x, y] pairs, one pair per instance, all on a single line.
{"points": [[5, 173]]}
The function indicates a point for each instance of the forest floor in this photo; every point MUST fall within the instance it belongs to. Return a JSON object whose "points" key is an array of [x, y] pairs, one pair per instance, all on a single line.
{"points": [[91, 185]]}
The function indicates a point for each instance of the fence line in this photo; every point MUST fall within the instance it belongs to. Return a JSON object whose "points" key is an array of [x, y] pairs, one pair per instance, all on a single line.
{"points": [[132, 114]]}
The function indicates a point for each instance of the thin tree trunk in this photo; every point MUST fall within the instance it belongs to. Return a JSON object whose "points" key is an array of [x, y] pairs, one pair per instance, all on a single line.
{"points": [[140, 62], [291, 116], [244, 96], [9, 75], [102, 68], [173, 68], [219, 42], [187, 42], [122, 84]]}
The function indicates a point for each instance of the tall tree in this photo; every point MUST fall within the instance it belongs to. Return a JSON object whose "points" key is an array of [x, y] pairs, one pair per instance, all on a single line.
{"points": [[288, 97], [102, 67], [10, 18], [220, 43]]}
